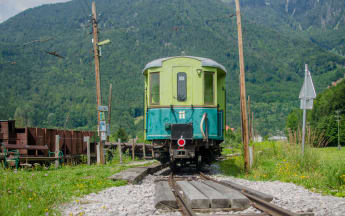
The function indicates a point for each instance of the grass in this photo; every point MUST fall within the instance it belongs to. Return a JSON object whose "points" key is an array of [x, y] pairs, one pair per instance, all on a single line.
{"points": [[40, 191], [319, 169]]}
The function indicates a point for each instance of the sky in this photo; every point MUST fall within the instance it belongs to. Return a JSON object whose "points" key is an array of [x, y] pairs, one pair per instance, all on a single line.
{"points": [[9, 8]]}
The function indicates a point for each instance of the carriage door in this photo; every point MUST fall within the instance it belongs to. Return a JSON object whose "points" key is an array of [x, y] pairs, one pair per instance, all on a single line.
{"points": [[182, 86]]}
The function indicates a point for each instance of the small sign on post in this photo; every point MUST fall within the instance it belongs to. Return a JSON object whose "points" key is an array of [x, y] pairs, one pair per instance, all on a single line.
{"points": [[307, 95], [102, 126], [103, 108]]}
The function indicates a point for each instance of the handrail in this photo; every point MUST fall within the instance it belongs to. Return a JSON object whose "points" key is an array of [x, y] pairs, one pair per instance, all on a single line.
{"points": [[202, 126]]}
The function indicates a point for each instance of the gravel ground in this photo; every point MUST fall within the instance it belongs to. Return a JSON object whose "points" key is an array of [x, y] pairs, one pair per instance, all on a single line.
{"points": [[126, 200], [295, 198], [291, 196], [133, 200]]}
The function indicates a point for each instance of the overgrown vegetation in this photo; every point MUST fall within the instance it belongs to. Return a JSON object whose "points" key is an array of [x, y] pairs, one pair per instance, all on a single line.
{"points": [[41, 90], [319, 169], [40, 191], [322, 126]]}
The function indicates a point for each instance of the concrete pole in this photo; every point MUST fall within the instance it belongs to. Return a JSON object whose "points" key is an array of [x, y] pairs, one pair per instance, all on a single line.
{"points": [[249, 120], [98, 153], [57, 150], [87, 139]]}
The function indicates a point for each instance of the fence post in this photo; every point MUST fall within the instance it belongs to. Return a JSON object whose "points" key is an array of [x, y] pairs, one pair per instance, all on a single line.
{"points": [[153, 153], [87, 140], [133, 149], [57, 149], [144, 151], [120, 150]]}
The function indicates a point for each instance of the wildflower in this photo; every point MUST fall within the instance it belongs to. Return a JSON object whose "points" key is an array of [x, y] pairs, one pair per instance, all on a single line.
{"points": [[46, 210], [30, 198]]}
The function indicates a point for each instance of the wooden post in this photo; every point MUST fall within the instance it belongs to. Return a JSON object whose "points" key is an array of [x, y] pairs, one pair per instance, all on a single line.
{"points": [[120, 150], [144, 151], [133, 149], [153, 153], [87, 140], [97, 74], [109, 107], [57, 150], [101, 152], [244, 120]]}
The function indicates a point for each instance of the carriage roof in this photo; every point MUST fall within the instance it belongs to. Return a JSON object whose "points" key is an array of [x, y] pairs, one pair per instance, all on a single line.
{"points": [[205, 62]]}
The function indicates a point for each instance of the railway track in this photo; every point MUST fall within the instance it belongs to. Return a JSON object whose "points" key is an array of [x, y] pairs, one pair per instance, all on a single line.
{"points": [[256, 201]]}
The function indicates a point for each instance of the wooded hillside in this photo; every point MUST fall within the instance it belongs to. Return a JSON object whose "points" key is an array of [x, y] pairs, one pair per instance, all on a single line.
{"points": [[47, 91]]}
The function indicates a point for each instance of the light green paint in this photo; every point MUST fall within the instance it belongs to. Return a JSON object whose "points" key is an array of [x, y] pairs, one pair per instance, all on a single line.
{"points": [[195, 83]]}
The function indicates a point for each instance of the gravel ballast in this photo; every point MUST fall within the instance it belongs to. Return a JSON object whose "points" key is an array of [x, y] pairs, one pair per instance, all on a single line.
{"points": [[133, 200]]}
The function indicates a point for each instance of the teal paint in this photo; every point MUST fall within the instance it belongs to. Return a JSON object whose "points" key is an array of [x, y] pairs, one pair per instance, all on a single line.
{"points": [[159, 118]]}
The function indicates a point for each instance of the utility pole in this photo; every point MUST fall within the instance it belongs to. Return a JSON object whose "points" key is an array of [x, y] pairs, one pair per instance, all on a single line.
{"points": [[244, 120], [98, 78], [338, 120], [109, 108]]}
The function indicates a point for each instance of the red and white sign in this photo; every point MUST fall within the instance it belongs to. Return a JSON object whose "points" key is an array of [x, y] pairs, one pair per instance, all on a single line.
{"points": [[181, 142]]}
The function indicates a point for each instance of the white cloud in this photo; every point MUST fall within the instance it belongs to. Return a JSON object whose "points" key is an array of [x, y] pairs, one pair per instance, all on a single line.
{"points": [[10, 8]]}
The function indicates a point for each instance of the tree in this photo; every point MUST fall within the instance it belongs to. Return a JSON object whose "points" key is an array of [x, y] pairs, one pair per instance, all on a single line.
{"points": [[119, 134]]}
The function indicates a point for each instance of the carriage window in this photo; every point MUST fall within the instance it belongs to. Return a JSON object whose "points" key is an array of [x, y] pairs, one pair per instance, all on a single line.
{"points": [[181, 86], [208, 88], [154, 88]]}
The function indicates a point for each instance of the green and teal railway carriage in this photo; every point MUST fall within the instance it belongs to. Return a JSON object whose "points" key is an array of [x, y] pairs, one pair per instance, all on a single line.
{"points": [[185, 109]]}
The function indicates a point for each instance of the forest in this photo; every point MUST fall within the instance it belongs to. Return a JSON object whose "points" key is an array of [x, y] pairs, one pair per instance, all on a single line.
{"points": [[41, 90]]}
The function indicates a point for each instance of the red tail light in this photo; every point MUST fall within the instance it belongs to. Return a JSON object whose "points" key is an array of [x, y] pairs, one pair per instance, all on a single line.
{"points": [[181, 142]]}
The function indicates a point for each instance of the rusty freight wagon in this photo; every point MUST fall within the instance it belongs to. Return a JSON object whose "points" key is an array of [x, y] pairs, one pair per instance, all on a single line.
{"points": [[36, 144]]}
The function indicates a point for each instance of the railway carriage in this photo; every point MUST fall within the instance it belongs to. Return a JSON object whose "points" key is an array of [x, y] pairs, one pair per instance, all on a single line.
{"points": [[185, 109]]}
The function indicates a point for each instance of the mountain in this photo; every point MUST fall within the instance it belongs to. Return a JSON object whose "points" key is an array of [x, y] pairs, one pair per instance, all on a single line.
{"points": [[47, 91], [319, 21]]}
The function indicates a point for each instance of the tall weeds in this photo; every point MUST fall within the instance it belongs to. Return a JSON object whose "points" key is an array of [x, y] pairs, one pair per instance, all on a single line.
{"points": [[313, 137]]}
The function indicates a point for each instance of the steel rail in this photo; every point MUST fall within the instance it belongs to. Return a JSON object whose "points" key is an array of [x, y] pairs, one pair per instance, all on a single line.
{"points": [[257, 202], [185, 210]]}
